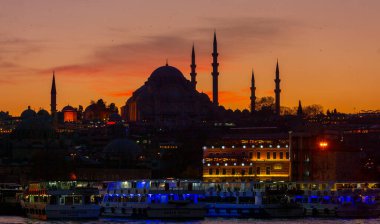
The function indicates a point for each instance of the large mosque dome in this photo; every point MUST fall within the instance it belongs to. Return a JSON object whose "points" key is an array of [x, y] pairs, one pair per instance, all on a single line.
{"points": [[167, 99], [166, 75]]}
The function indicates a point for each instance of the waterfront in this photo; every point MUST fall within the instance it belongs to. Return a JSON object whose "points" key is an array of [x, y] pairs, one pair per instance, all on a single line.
{"points": [[20, 220]]}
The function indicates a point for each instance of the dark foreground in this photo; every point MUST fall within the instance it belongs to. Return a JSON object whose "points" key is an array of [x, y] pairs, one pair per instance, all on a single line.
{"points": [[20, 220]]}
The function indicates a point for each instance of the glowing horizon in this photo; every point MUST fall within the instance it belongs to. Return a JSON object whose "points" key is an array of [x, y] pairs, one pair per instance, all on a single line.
{"points": [[328, 53]]}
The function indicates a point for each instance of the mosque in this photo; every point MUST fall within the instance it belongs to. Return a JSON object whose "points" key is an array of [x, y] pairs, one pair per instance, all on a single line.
{"points": [[168, 99]]}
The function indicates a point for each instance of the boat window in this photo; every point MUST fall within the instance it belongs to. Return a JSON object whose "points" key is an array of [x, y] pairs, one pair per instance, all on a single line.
{"points": [[53, 200], [68, 200], [77, 200]]}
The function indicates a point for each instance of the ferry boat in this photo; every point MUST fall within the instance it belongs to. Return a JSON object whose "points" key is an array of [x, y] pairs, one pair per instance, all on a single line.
{"points": [[250, 200], [61, 200], [10, 194], [154, 199], [345, 200]]}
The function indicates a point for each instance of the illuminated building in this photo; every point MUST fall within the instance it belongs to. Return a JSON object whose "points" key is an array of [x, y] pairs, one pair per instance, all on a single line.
{"points": [[258, 160], [69, 114]]}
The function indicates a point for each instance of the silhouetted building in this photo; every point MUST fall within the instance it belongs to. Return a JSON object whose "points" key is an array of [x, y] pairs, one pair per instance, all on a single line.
{"points": [[70, 114], [167, 99]]}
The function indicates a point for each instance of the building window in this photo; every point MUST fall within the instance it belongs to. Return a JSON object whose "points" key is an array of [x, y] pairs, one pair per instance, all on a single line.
{"points": [[210, 171], [224, 172], [250, 155], [268, 155], [250, 170], [258, 155], [258, 171], [233, 171], [287, 155], [243, 172], [217, 171], [281, 155], [274, 155], [267, 171]]}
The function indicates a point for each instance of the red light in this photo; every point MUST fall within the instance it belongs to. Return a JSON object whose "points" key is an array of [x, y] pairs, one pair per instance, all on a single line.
{"points": [[323, 145]]}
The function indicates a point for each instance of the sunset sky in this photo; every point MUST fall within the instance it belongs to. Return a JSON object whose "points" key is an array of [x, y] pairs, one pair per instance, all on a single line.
{"points": [[328, 51]]}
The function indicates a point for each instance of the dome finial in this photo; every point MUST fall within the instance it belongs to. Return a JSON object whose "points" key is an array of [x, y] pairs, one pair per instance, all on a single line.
{"points": [[167, 64]]}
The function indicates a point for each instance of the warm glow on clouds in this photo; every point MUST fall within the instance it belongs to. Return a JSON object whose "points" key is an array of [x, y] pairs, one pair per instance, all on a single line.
{"points": [[108, 49]]}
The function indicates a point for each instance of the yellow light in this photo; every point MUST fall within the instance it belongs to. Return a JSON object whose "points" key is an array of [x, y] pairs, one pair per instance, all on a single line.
{"points": [[249, 175]]}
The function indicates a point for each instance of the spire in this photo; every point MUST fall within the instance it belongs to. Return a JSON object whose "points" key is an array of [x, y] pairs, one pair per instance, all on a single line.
{"points": [[253, 93], [215, 44], [193, 74], [277, 90], [53, 89], [167, 63], [277, 71], [215, 72], [299, 110], [53, 97]]}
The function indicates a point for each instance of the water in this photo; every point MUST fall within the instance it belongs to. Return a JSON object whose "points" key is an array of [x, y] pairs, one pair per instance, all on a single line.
{"points": [[21, 220]]}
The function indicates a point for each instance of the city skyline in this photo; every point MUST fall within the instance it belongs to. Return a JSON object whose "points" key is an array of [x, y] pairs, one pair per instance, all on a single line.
{"points": [[327, 59]]}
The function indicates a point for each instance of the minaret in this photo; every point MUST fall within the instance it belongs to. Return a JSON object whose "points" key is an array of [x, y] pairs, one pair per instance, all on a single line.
{"points": [[53, 97], [299, 110], [215, 72], [277, 91], [253, 93], [193, 74]]}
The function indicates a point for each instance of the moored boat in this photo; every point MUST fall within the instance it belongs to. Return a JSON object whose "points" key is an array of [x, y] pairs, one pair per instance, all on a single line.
{"points": [[158, 199], [10, 194], [61, 200]]}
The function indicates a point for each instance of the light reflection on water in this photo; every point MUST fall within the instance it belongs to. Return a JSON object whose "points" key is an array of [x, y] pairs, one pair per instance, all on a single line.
{"points": [[21, 220]]}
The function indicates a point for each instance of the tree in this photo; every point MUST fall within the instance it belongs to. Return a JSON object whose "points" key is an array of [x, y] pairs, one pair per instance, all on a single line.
{"points": [[265, 103], [313, 110]]}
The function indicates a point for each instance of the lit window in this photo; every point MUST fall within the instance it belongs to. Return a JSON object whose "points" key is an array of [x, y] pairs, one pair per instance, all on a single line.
{"points": [[267, 171]]}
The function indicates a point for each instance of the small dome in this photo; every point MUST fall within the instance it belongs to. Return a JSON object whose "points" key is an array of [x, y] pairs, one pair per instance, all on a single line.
{"points": [[68, 108], [28, 113], [43, 113], [123, 149]]}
